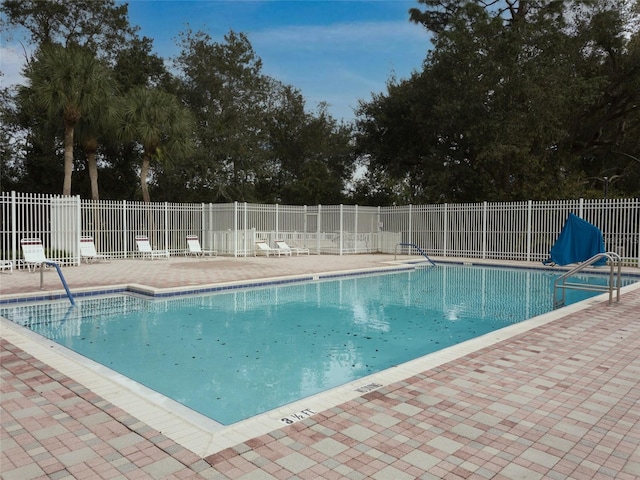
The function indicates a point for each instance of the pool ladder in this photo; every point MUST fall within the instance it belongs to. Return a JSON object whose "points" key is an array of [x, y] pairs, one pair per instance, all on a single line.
{"points": [[615, 281]]}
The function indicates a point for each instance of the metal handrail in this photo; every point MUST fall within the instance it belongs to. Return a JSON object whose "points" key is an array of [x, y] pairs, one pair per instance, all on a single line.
{"points": [[561, 283], [422, 252], [64, 282]]}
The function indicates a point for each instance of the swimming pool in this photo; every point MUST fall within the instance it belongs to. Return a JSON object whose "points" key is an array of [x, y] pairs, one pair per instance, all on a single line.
{"points": [[244, 352]]}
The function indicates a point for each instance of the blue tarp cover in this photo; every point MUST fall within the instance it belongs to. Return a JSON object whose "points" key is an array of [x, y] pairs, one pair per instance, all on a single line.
{"points": [[578, 241]]}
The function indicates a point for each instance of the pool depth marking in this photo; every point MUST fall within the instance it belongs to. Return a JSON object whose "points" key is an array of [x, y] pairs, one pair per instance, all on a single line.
{"points": [[370, 387], [296, 417], [307, 412]]}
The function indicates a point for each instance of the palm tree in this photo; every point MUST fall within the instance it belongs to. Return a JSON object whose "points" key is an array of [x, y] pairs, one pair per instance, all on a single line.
{"points": [[159, 123], [69, 82], [101, 123]]}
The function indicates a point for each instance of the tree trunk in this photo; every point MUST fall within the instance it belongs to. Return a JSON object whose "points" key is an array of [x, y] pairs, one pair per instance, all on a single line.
{"points": [[144, 171], [68, 159], [90, 147], [93, 175]]}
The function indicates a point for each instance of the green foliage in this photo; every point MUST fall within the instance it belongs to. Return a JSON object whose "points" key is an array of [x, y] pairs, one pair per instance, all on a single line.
{"points": [[70, 84], [10, 166], [255, 140], [30, 155], [97, 25], [523, 99], [242, 136], [310, 154], [529, 102], [157, 121], [224, 87], [136, 65], [98, 29]]}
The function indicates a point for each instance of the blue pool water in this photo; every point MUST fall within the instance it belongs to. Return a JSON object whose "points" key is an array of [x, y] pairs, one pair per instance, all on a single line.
{"points": [[233, 355]]}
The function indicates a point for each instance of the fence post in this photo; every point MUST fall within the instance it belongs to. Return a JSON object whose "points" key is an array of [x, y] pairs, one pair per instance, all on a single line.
{"points": [[235, 229], [581, 208], [638, 245], [355, 230], [124, 229], [445, 231], [637, 232], [213, 244], [246, 228], [378, 236], [318, 229], [410, 228], [202, 216], [341, 230], [277, 223], [78, 229], [166, 226], [529, 227], [484, 229], [14, 230], [305, 226]]}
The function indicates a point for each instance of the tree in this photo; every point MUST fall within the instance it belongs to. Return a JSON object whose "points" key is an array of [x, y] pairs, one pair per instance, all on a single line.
{"points": [[310, 155], [256, 141], [100, 26], [9, 142], [101, 123], [69, 83], [513, 101], [32, 158], [136, 65], [157, 121], [222, 83], [605, 133]]}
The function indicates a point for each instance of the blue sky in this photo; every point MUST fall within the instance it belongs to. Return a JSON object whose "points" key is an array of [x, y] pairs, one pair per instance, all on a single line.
{"points": [[333, 51]]}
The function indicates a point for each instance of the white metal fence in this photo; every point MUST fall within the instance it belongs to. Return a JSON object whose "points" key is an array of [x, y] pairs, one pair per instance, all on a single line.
{"points": [[509, 231]]}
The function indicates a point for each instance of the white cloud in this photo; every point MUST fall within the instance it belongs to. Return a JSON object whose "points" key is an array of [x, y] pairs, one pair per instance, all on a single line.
{"points": [[341, 63], [343, 36]]}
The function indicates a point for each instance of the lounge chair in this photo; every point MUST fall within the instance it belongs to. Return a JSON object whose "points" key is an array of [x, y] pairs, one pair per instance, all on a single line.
{"points": [[144, 247], [33, 253], [88, 251], [282, 245], [194, 248], [263, 249], [6, 265]]}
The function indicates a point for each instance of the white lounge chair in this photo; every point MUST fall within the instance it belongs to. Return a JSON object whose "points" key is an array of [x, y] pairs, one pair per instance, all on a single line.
{"points": [[194, 248], [6, 265], [33, 253], [88, 251], [263, 249], [144, 247], [282, 245]]}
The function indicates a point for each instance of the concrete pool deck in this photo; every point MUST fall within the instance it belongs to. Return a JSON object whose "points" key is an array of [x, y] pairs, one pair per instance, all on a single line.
{"points": [[556, 398]]}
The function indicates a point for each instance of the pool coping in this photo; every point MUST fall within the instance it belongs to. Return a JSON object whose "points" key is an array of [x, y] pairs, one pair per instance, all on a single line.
{"points": [[204, 436], [153, 292]]}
